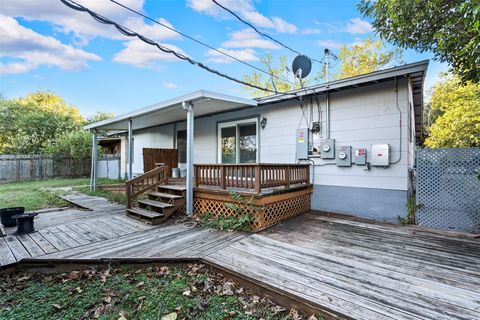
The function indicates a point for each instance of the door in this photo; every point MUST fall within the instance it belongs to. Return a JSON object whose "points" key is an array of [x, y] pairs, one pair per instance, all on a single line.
{"points": [[238, 141]]}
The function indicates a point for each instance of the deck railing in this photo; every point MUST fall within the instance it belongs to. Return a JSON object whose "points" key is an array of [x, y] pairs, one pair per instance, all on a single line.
{"points": [[251, 175], [145, 182]]}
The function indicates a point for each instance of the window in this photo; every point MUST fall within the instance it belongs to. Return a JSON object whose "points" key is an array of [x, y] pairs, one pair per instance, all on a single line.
{"points": [[238, 141], [182, 146]]}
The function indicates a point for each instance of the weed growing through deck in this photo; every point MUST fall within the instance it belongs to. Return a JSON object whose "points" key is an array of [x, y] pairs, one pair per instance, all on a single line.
{"points": [[38, 194], [191, 291], [240, 221], [412, 208]]}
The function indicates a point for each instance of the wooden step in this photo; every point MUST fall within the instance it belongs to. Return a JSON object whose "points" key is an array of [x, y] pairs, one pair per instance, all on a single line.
{"points": [[164, 195], [156, 204], [174, 187], [146, 215]]}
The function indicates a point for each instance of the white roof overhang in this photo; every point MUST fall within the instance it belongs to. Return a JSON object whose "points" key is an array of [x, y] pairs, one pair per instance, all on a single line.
{"points": [[170, 111]]}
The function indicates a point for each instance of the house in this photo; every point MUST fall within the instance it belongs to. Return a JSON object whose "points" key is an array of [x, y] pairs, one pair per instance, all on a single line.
{"points": [[357, 136]]}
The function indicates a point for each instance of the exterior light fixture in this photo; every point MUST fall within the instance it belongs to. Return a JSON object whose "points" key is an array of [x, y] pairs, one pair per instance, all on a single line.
{"points": [[263, 123]]}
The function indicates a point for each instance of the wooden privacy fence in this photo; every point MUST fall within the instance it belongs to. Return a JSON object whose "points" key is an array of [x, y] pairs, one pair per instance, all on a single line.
{"points": [[155, 155], [37, 166], [251, 175]]}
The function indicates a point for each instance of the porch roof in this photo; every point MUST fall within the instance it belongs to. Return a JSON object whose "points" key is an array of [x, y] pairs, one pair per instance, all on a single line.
{"points": [[205, 103]]}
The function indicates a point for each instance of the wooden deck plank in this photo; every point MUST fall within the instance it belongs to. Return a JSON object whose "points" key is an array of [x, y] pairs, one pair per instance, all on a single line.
{"points": [[46, 246], [31, 246], [6, 255], [16, 247], [77, 237], [396, 289], [54, 240]]}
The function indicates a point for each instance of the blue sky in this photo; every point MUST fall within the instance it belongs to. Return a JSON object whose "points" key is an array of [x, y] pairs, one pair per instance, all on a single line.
{"points": [[46, 46]]}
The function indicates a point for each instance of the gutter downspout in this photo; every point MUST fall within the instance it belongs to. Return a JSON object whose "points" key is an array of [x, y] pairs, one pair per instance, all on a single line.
{"points": [[188, 107]]}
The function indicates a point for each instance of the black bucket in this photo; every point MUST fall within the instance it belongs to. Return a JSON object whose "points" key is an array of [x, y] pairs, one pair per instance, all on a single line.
{"points": [[6, 215]]}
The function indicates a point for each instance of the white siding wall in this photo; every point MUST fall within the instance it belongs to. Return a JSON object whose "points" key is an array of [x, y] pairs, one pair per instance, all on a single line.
{"points": [[359, 118], [157, 137]]}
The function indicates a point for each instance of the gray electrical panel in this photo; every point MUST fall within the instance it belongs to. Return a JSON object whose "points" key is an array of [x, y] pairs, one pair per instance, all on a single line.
{"points": [[302, 143], [360, 156], [380, 155], [327, 149], [343, 156]]}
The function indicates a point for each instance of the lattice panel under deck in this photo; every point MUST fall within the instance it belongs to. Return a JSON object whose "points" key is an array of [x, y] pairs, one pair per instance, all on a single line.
{"points": [[265, 215]]}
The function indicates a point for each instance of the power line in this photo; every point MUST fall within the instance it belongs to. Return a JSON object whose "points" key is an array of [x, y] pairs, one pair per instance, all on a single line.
{"points": [[259, 32], [127, 32], [197, 41]]}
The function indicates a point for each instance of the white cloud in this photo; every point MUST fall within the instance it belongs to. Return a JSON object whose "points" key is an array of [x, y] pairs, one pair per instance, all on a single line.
{"points": [[28, 50], [81, 25], [248, 38], [246, 10], [331, 44], [358, 26], [140, 54], [311, 31], [169, 85], [243, 55]]}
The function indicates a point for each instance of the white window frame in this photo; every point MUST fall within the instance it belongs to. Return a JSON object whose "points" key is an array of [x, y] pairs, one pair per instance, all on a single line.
{"points": [[235, 123]]}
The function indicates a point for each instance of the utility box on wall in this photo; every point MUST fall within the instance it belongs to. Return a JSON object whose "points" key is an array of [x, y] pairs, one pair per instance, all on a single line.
{"points": [[344, 156], [360, 156], [302, 143], [327, 149], [380, 155]]}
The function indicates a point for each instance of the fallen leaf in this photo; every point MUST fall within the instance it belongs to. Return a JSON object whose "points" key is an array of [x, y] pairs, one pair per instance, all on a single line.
{"points": [[140, 284], [107, 299], [187, 293], [312, 317], [170, 316], [57, 306], [255, 299]]}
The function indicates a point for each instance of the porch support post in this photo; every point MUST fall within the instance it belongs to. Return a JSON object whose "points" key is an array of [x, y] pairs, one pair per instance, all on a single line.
{"points": [[93, 173], [130, 149], [188, 106]]}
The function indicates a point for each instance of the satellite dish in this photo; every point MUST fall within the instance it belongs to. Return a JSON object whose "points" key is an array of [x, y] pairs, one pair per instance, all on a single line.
{"points": [[301, 66]]}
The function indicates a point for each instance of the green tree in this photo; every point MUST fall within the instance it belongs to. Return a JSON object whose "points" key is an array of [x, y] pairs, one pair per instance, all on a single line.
{"points": [[99, 116], [450, 29], [30, 123], [279, 70], [363, 57], [453, 114], [367, 56], [74, 144]]}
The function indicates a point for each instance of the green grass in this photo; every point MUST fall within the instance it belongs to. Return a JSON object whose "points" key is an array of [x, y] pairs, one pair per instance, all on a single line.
{"points": [[110, 196], [192, 292], [34, 194]]}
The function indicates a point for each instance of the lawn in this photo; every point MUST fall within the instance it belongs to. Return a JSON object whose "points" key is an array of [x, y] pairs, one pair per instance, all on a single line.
{"points": [[191, 291], [36, 194]]}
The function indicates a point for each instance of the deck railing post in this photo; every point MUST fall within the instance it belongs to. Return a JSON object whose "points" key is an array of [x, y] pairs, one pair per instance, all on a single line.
{"points": [[287, 176], [222, 177], [258, 182]]}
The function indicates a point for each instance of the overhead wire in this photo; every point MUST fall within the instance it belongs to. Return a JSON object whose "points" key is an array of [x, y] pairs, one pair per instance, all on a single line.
{"points": [[198, 41], [127, 32], [259, 32]]}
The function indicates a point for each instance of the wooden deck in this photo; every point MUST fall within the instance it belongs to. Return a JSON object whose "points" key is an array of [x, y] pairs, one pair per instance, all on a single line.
{"points": [[358, 269]]}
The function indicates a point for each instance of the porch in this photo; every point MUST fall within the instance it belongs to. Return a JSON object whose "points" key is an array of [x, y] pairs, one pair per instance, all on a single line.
{"points": [[343, 267], [269, 193]]}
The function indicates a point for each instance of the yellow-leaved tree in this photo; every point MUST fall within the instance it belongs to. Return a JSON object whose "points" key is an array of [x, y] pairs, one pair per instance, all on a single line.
{"points": [[362, 57], [452, 116], [367, 56]]}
